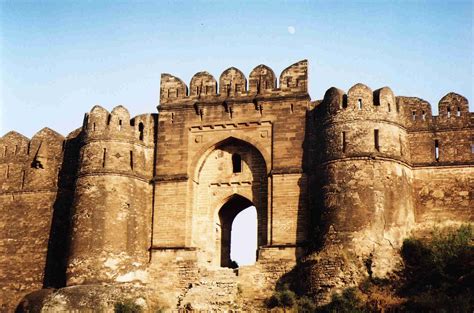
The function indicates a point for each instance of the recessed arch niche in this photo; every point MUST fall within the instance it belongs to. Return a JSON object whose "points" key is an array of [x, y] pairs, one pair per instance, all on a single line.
{"points": [[221, 192]]}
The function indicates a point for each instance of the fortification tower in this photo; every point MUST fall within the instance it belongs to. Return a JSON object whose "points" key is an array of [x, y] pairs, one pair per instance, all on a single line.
{"points": [[113, 198], [28, 197], [365, 178]]}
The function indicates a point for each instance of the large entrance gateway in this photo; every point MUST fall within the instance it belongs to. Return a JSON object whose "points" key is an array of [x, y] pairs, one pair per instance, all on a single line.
{"points": [[232, 177]]}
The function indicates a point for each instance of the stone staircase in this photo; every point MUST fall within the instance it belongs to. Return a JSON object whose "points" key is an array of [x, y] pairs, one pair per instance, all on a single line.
{"points": [[217, 290]]}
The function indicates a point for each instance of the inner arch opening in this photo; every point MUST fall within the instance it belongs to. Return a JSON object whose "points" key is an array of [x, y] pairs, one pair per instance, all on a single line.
{"points": [[245, 238], [243, 242]]}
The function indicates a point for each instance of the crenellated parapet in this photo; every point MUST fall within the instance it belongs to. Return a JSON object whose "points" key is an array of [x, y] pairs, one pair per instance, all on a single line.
{"points": [[361, 103], [453, 113], [30, 165], [362, 123], [113, 141], [233, 85], [439, 139]]}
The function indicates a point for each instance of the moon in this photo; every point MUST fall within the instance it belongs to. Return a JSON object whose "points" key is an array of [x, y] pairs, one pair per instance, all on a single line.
{"points": [[291, 29]]}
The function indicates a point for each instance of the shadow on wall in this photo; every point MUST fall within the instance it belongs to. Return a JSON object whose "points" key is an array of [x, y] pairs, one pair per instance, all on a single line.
{"points": [[60, 232]]}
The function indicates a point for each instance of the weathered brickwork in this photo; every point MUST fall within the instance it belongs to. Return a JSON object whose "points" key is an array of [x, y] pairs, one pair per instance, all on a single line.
{"points": [[142, 208]]}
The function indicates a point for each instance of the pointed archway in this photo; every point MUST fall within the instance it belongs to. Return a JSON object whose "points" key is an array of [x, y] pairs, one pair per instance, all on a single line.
{"points": [[227, 215]]}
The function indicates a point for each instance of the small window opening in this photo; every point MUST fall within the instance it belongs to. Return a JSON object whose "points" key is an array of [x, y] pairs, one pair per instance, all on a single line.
{"points": [[5, 150], [28, 148], [108, 119], [207, 90], [93, 126], [413, 115], [389, 107], [103, 157], [288, 82], [177, 93], [376, 139], [472, 148], [297, 83], [344, 142], [237, 88], [131, 160], [359, 104], [449, 112], [398, 107], [291, 108], [344, 101], [168, 93], [228, 89], [458, 111], [120, 125], [16, 149], [236, 163], [172, 117], [423, 115], [140, 131], [7, 173], [437, 150]]}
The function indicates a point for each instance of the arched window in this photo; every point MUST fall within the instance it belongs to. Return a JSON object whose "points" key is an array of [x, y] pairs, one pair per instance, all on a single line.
{"points": [[236, 163], [359, 104], [140, 130]]}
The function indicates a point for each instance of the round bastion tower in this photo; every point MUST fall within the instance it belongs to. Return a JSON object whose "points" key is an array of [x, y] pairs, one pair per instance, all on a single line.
{"points": [[365, 193], [113, 198]]}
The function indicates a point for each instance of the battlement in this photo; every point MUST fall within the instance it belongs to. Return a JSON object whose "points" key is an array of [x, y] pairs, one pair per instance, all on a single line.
{"points": [[30, 164], [102, 124], [453, 113], [233, 84], [360, 102]]}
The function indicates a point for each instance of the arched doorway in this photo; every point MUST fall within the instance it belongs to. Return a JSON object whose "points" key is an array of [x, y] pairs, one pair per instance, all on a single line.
{"points": [[227, 214], [231, 177]]}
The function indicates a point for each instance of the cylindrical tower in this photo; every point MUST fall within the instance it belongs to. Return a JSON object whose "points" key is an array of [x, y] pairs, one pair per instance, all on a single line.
{"points": [[113, 198], [365, 195]]}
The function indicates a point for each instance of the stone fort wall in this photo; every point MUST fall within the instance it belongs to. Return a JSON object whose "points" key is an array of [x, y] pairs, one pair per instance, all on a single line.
{"points": [[147, 203]]}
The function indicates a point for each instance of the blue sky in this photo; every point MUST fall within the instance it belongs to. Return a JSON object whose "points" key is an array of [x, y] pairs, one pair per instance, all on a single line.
{"points": [[59, 58]]}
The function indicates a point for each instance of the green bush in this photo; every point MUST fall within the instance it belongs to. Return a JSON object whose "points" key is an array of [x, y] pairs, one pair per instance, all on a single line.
{"points": [[440, 262], [127, 306], [288, 299], [283, 298], [306, 305], [346, 302]]}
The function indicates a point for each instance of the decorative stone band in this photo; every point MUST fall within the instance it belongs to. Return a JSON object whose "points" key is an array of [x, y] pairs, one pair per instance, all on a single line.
{"points": [[368, 157], [222, 100], [173, 248], [28, 191], [116, 173], [287, 170], [103, 138], [328, 121], [170, 178]]}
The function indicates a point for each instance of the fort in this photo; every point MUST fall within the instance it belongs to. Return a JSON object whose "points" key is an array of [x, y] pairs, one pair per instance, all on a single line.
{"points": [[142, 208]]}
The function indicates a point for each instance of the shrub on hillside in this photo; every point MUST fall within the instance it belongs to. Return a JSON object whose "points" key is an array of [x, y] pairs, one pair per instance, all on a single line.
{"points": [[127, 306]]}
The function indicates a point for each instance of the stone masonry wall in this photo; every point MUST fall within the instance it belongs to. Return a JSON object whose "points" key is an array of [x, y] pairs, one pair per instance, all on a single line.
{"points": [[143, 207]]}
